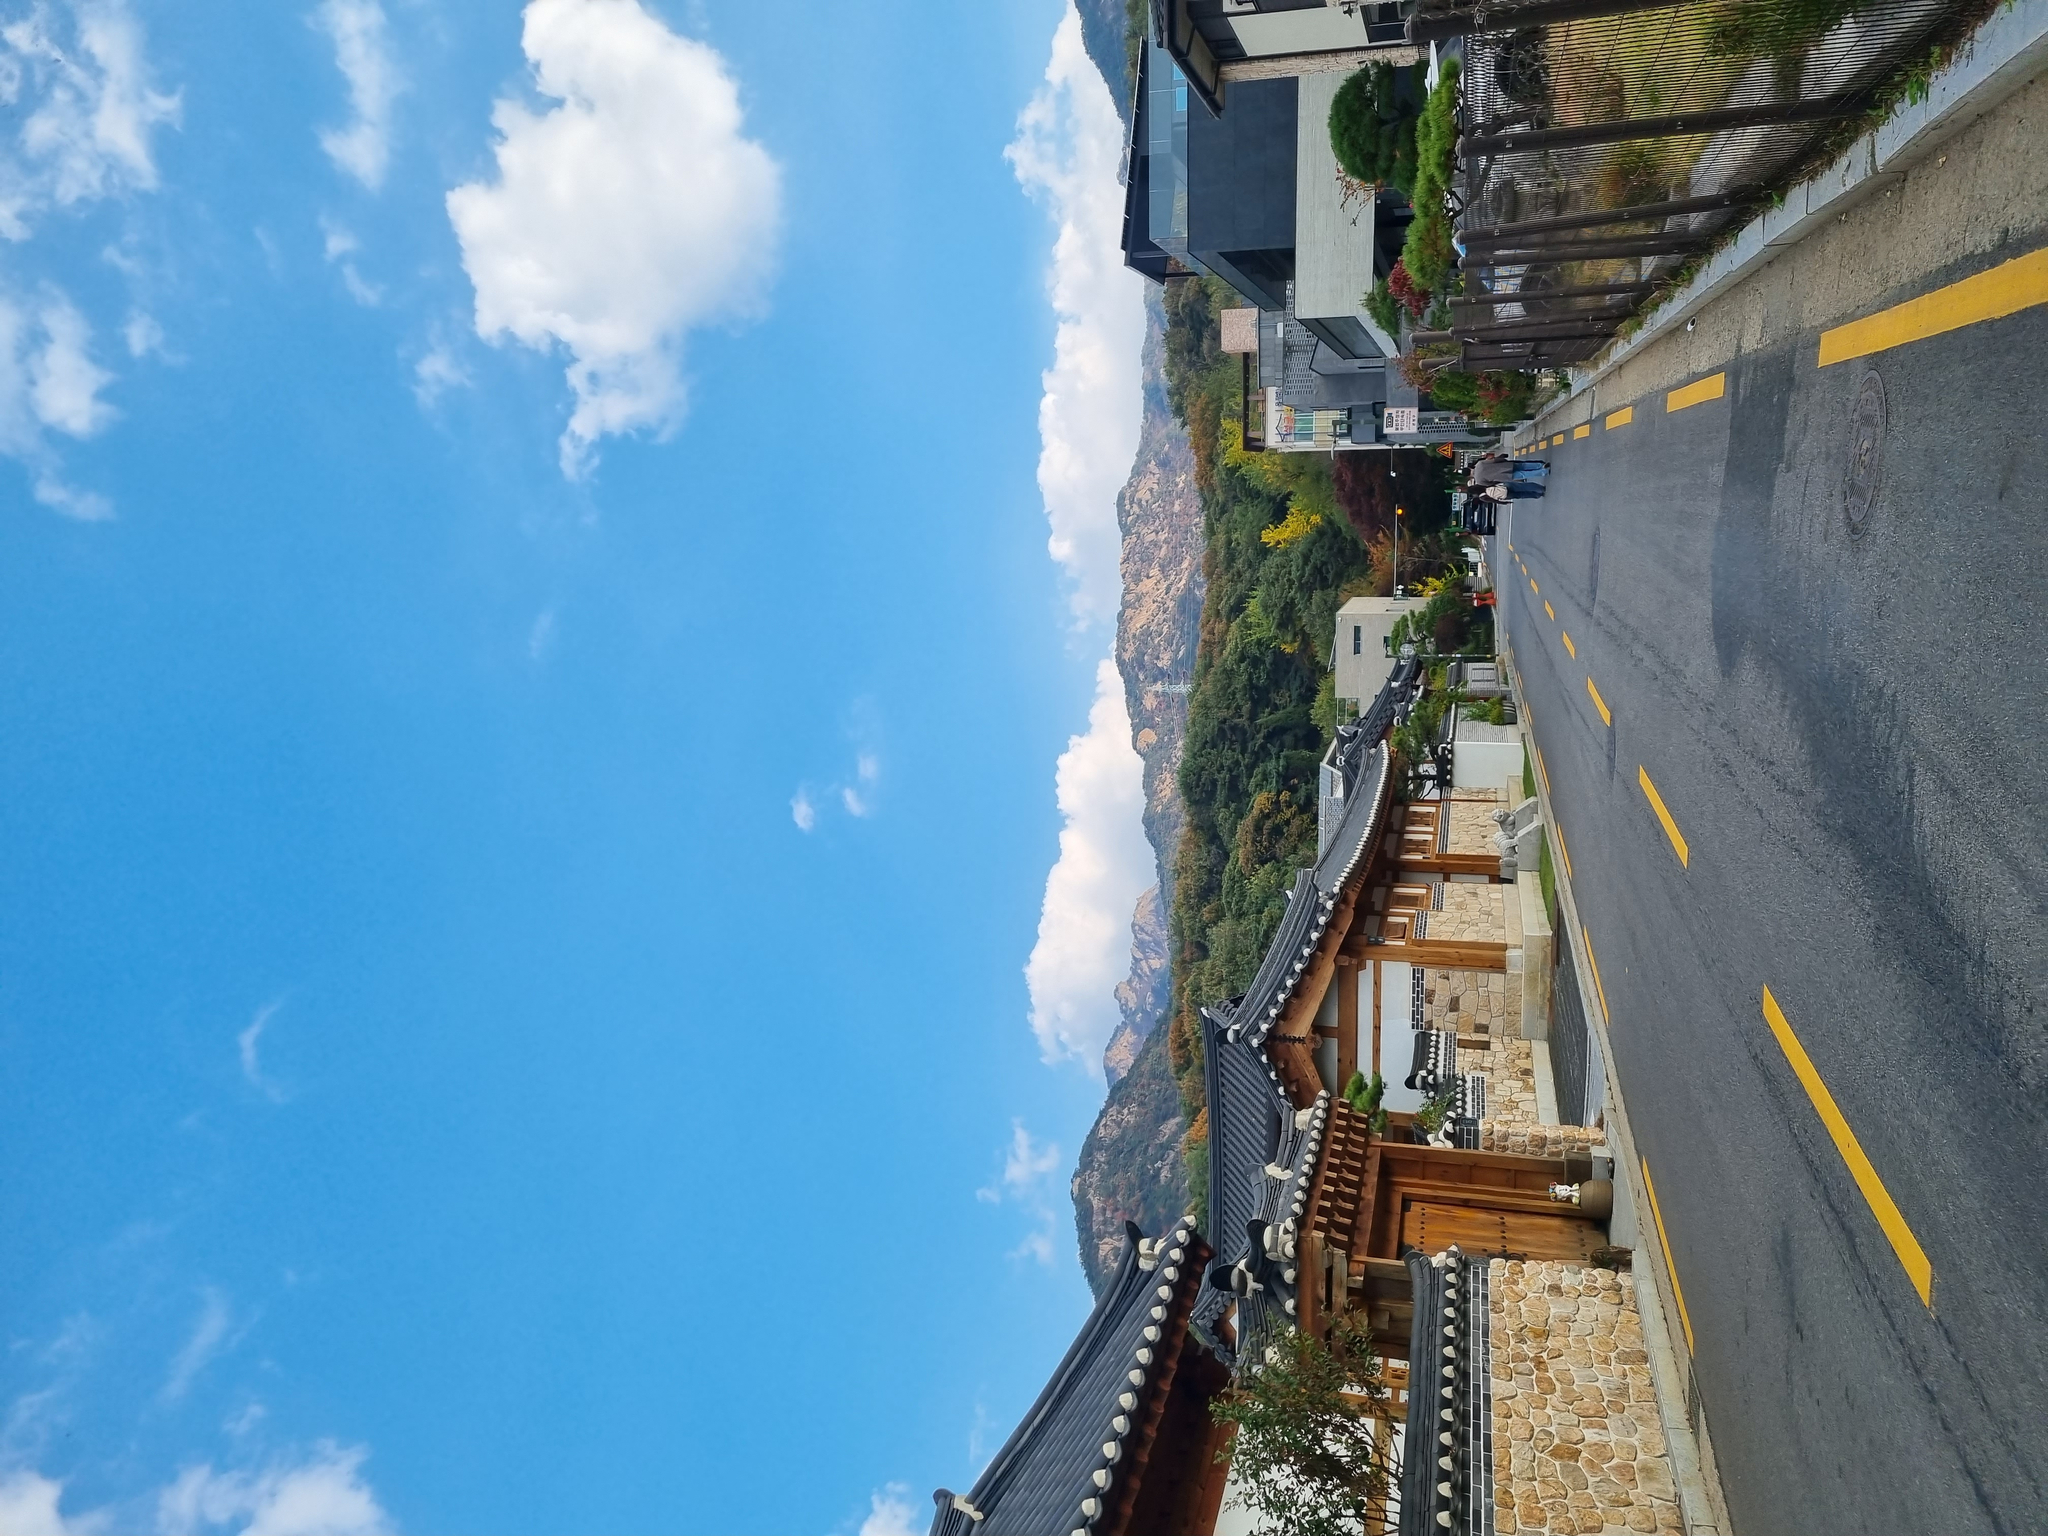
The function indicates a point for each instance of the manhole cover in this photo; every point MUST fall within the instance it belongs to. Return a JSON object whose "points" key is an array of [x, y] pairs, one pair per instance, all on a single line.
{"points": [[1866, 451]]}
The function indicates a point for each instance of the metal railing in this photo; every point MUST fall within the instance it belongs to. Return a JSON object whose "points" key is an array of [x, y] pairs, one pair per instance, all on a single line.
{"points": [[1606, 143], [1571, 1038]]}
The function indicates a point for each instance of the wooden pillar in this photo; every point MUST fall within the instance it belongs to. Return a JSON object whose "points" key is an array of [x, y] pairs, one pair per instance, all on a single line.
{"points": [[1372, 972], [1347, 1021]]}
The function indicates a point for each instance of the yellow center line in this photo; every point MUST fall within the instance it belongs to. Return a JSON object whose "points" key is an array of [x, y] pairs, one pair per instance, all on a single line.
{"points": [[1712, 387], [2006, 289], [1606, 714], [1605, 1014], [1569, 646], [1657, 805], [1904, 1244], [1548, 609], [1532, 585], [1670, 1268], [1583, 431], [1620, 418], [1563, 852]]}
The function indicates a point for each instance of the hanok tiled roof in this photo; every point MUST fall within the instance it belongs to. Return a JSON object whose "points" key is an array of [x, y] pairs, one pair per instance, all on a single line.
{"points": [[1059, 1471], [1312, 904], [1447, 1452], [1262, 1159]]}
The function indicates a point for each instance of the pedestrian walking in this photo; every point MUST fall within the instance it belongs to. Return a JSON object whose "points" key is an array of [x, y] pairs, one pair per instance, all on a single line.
{"points": [[1514, 490], [1499, 469]]}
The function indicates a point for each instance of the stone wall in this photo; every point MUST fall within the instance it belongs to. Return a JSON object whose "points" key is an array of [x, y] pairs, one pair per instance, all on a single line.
{"points": [[1577, 1443], [1471, 812], [1531, 1140], [1467, 1002], [1470, 912], [1510, 1068]]}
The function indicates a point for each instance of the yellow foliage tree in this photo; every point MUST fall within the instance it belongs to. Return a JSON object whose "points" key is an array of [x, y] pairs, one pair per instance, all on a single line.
{"points": [[1298, 524]]}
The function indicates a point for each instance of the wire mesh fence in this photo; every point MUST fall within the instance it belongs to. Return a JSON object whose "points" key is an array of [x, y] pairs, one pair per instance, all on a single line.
{"points": [[1605, 143]]}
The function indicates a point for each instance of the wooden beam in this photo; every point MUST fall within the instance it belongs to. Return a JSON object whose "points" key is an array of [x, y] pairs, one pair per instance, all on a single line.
{"points": [[1437, 954], [1487, 864]]}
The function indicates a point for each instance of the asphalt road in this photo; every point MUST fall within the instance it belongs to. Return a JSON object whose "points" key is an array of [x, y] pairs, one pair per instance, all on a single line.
{"points": [[1847, 732]]}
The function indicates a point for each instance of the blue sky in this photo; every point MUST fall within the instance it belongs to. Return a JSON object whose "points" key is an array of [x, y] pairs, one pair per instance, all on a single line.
{"points": [[554, 572]]}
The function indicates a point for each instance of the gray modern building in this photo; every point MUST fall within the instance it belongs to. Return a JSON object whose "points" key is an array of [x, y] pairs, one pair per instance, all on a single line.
{"points": [[1237, 179]]}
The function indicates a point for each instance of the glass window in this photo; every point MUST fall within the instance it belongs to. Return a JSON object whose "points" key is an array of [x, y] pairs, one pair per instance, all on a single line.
{"points": [[1358, 639]]}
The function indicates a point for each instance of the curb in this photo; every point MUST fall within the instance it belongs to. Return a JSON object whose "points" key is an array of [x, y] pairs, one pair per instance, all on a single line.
{"points": [[2006, 52], [1702, 1507]]}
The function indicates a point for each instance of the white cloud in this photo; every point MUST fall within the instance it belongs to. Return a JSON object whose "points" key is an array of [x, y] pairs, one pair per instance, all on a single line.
{"points": [[1105, 864], [363, 148], [435, 374], [90, 109], [49, 383], [1027, 1164], [541, 638], [208, 1334], [858, 796], [64, 382], [339, 243], [1069, 141], [28, 1507], [246, 1042], [142, 334], [324, 1495], [627, 214], [890, 1514]]}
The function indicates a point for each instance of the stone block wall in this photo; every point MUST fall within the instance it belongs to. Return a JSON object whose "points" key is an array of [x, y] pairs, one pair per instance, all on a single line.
{"points": [[1471, 812], [1510, 1070], [1466, 1002], [1532, 1140], [1577, 1443], [1471, 911]]}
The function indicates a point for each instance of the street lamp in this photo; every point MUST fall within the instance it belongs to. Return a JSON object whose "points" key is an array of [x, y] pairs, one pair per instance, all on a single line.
{"points": [[1398, 515]]}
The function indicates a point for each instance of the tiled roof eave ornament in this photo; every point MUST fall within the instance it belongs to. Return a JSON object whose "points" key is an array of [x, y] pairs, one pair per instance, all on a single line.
{"points": [[1446, 1474], [1059, 1470], [1305, 922]]}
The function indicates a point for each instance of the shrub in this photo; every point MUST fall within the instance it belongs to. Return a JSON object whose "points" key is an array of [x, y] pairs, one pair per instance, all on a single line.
{"points": [[1307, 1456], [1403, 287], [1372, 133], [1427, 253], [1454, 391], [1775, 28], [1385, 309], [1504, 397]]}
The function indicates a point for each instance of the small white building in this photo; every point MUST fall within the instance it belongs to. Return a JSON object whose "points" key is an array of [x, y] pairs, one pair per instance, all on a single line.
{"points": [[1360, 653]]}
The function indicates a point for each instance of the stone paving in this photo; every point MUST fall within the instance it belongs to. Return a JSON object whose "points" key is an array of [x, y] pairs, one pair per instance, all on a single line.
{"points": [[1577, 1443]]}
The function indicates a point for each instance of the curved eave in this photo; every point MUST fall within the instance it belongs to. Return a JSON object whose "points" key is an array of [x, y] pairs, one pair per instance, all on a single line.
{"points": [[1314, 903], [1067, 1450]]}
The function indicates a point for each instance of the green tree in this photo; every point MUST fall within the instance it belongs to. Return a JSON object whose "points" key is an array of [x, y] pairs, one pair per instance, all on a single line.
{"points": [[1372, 130], [1308, 1456]]}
